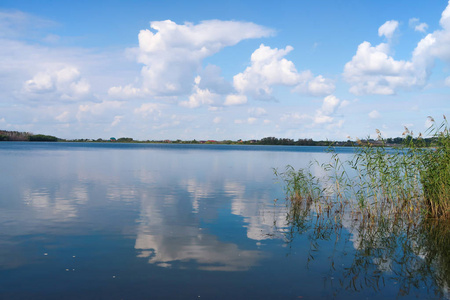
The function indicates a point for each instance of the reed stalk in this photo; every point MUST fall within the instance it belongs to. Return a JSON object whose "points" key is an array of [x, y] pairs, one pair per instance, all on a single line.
{"points": [[408, 182]]}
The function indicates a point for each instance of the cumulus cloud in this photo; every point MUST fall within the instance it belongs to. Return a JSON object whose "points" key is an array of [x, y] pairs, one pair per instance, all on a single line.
{"points": [[330, 104], [65, 83], [329, 107], [97, 109], [414, 23], [388, 29], [269, 68], [326, 116], [147, 109], [125, 92], [422, 27], [320, 86], [201, 96], [373, 71], [315, 86], [173, 53], [235, 100]]}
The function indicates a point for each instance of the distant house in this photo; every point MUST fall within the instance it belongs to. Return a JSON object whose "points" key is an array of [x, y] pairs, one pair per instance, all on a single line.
{"points": [[113, 139]]}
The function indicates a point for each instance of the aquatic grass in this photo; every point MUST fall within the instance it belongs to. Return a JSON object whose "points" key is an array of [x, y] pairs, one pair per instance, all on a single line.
{"points": [[385, 249], [436, 172], [300, 184], [394, 204], [378, 181], [391, 205]]}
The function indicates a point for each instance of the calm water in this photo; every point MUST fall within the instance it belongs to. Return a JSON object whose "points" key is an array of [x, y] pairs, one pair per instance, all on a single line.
{"points": [[133, 221]]}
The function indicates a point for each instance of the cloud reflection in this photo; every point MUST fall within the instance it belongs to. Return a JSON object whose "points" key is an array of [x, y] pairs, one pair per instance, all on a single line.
{"points": [[171, 236], [257, 208], [205, 250], [59, 203]]}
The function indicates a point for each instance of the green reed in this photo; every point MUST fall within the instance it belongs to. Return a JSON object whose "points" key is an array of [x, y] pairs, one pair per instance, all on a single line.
{"points": [[379, 181], [436, 172], [392, 205]]}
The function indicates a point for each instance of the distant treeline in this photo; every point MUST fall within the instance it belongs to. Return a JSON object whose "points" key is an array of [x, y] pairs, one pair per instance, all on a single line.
{"points": [[420, 142], [25, 136]]}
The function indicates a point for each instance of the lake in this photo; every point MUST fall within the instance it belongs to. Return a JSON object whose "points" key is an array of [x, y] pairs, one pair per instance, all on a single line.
{"points": [[172, 221]]}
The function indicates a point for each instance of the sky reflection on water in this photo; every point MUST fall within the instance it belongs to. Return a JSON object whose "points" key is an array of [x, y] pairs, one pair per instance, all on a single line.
{"points": [[94, 221]]}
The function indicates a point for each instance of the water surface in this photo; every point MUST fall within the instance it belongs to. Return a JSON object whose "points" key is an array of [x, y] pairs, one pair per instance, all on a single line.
{"points": [[158, 221]]}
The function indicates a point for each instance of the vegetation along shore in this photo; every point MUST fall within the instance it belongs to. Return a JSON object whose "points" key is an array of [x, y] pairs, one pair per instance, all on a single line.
{"points": [[390, 142]]}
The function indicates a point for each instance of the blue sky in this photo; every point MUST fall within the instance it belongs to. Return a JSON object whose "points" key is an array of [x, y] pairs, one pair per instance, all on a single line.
{"points": [[228, 70]]}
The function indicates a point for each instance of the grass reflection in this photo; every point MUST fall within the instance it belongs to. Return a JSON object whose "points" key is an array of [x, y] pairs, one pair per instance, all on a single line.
{"points": [[388, 250], [392, 204]]}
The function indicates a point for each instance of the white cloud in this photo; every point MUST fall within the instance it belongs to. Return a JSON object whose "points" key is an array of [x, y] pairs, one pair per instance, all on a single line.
{"points": [[326, 114], [374, 114], [269, 68], [41, 82], [125, 92], [422, 27], [173, 53], [235, 100], [320, 86], [63, 117], [147, 109], [201, 97], [117, 120], [295, 117], [251, 120], [315, 86], [330, 105], [217, 120], [373, 71], [388, 29], [320, 119], [65, 83], [97, 109], [414, 23]]}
